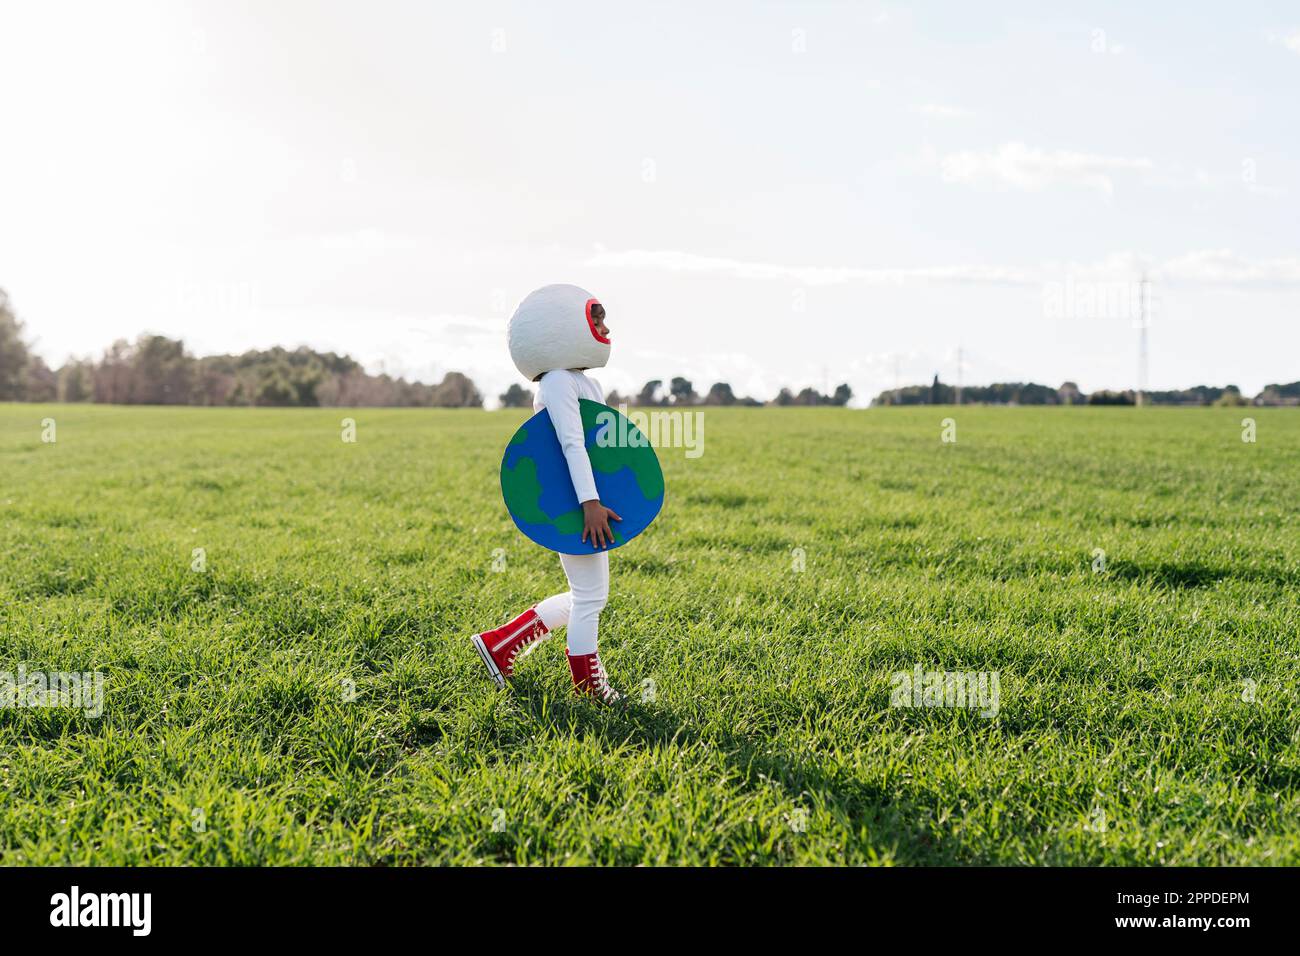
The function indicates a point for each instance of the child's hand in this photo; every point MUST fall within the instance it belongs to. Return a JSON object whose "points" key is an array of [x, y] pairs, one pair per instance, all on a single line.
{"points": [[595, 522]]}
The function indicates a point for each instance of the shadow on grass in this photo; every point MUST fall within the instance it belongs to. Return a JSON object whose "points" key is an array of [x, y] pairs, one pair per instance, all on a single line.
{"points": [[891, 824], [1187, 575]]}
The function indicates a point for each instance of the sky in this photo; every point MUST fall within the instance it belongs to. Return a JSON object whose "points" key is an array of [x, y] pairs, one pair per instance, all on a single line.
{"points": [[761, 193]]}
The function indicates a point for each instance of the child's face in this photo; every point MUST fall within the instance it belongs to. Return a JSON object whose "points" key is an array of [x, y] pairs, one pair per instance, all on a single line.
{"points": [[598, 319]]}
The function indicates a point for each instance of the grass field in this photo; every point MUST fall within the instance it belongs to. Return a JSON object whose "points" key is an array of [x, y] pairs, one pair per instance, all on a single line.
{"points": [[1147, 713]]}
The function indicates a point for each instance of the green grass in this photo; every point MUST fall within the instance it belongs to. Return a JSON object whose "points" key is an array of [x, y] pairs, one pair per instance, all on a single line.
{"points": [[1122, 736]]}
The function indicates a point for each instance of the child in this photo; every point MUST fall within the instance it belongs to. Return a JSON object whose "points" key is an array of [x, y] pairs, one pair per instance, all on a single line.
{"points": [[556, 334]]}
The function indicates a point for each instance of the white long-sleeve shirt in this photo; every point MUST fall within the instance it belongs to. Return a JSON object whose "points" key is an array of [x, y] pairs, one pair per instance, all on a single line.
{"points": [[559, 391]]}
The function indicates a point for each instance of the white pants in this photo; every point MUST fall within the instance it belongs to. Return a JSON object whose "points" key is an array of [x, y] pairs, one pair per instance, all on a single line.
{"points": [[579, 608]]}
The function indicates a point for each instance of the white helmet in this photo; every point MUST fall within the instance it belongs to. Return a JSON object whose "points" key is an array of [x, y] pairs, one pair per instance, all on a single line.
{"points": [[553, 328]]}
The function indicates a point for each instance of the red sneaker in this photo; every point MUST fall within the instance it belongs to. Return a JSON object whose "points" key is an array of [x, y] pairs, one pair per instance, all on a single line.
{"points": [[501, 647], [589, 678]]}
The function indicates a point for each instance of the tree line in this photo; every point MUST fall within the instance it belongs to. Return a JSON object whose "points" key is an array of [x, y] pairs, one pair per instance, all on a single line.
{"points": [[156, 370], [1029, 393], [680, 391]]}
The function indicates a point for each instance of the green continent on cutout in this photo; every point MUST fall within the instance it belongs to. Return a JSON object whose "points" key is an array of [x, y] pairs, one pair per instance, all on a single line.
{"points": [[521, 486], [521, 436], [611, 459]]}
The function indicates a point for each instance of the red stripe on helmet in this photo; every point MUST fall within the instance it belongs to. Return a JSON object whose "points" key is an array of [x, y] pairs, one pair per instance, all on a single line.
{"points": [[592, 325]]}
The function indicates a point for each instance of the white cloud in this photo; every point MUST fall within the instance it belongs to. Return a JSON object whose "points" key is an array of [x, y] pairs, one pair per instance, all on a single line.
{"points": [[943, 111], [1023, 167], [1222, 266], [1291, 42], [1212, 266], [673, 260], [369, 238]]}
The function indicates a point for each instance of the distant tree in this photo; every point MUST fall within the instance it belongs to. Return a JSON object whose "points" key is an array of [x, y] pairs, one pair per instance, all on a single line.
{"points": [[649, 394], [1033, 394], [457, 391], [273, 386], [720, 393], [915, 395], [784, 397], [1276, 394], [810, 396], [40, 384], [24, 376], [1231, 397], [1196, 395], [113, 374], [76, 381], [215, 381], [614, 399], [683, 392], [14, 354], [516, 396], [162, 372], [947, 394], [338, 391]]}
